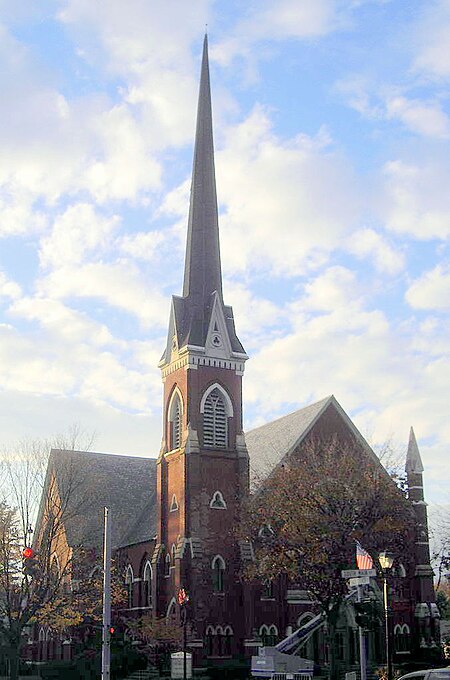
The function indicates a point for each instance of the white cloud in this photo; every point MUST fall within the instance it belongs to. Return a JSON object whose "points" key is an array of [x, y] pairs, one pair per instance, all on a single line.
{"points": [[278, 20], [67, 324], [119, 285], [9, 289], [368, 243], [433, 49], [143, 245], [335, 288], [286, 204], [431, 290], [417, 201], [422, 117], [78, 232]]}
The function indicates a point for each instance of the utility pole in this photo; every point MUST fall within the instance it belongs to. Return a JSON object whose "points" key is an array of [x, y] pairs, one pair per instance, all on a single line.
{"points": [[106, 635]]}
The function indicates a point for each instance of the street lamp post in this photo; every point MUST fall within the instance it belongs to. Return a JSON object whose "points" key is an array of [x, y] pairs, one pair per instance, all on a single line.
{"points": [[386, 562]]}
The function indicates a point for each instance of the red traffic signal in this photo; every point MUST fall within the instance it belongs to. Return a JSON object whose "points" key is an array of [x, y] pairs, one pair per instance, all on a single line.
{"points": [[27, 553], [112, 630]]}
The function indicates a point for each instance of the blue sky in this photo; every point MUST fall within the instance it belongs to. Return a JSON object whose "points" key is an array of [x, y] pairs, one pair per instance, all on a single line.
{"points": [[332, 138]]}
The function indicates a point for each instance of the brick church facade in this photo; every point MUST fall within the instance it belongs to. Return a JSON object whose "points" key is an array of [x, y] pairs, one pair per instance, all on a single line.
{"points": [[175, 517]]}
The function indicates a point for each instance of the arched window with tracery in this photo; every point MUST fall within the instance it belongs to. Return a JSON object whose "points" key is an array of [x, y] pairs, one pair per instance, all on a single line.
{"points": [[218, 571], [267, 589], [175, 421], [147, 585], [216, 411], [227, 640], [129, 585], [268, 635], [209, 641], [402, 641]]}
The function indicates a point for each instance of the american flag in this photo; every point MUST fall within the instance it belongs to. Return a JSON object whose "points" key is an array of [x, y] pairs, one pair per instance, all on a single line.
{"points": [[363, 559]]}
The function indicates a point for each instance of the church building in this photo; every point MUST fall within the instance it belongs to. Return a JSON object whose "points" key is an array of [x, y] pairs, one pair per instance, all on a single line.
{"points": [[175, 516]]}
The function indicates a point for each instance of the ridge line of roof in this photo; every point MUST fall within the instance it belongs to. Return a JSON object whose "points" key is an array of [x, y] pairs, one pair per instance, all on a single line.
{"points": [[287, 415], [105, 453]]}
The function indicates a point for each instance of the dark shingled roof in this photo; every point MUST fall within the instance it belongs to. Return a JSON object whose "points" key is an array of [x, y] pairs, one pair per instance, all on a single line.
{"points": [[268, 444], [125, 484]]}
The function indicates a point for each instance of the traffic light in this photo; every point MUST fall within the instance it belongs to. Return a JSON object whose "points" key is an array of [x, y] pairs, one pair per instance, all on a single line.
{"points": [[31, 566], [363, 614]]}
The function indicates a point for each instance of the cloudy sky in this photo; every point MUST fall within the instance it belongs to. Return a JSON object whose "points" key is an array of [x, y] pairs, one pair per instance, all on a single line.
{"points": [[332, 133]]}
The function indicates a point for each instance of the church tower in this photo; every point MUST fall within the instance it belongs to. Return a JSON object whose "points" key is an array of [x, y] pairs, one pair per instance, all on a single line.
{"points": [[203, 464], [426, 613]]}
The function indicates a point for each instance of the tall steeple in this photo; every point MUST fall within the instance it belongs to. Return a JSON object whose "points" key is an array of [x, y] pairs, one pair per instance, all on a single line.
{"points": [[202, 274], [200, 319]]}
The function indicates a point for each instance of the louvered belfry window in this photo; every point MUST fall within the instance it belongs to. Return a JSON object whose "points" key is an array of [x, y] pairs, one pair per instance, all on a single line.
{"points": [[176, 424], [215, 425]]}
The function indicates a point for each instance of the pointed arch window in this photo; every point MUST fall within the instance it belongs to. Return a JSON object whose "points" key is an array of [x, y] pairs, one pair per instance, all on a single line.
{"points": [[173, 553], [174, 504], [147, 585], [129, 586], [167, 565], [175, 421], [218, 571], [215, 420]]}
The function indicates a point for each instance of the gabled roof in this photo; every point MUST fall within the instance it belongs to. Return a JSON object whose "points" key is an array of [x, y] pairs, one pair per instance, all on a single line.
{"points": [[124, 484], [269, 444]]}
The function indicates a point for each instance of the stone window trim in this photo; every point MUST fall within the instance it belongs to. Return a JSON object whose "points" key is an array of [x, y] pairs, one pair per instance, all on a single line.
{"points": [[129, 578], [218, 568], [267, 590], [218, 641], [217, 501], [175, 412], [216, 408], [224, 394], [402, 639], [147, 579], [268, 634]]}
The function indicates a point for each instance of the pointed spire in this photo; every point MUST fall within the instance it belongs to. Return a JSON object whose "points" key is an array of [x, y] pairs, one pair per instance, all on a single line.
{"points": [[202, 274], [413, 460]]}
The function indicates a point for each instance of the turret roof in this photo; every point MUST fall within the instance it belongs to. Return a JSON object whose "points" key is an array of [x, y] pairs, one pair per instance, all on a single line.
{"points": [[414, 463]]}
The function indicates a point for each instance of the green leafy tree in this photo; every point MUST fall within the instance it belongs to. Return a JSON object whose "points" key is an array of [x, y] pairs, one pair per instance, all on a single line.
{"points": [[304, 519]]}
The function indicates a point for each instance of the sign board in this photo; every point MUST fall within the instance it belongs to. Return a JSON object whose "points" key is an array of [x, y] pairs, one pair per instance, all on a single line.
{"points": [[356, 573], [177, 665], [361, 581]]}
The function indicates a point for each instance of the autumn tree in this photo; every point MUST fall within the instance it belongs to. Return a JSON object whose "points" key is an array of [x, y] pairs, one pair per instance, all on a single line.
{"points": [[306, 516], [157, 638], [42, 588]]}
